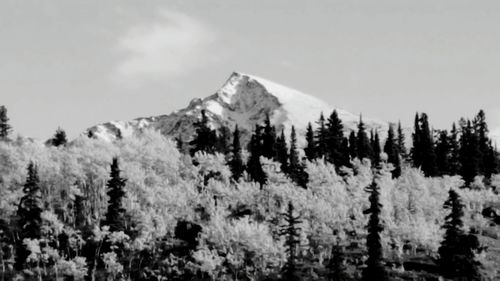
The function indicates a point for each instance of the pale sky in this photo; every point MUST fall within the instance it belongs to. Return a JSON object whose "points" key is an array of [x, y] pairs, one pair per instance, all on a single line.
{"points": [[74, 64]]}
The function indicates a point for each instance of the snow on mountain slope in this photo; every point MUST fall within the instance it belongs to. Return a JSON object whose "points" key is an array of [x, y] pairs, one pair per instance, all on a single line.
{"points": [[244, 100]]}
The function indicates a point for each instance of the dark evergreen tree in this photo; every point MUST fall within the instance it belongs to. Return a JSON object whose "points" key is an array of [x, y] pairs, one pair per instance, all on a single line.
{"points": [[443, 153], [236, 163], [391, 148], [5, 127], [321, 138], [310, 149], [115, 215], [454, 161], [376, 149], [481, 131], [364, 147], [337, 270], [59, 138], [469, 153], [205, 138], [291, 231], [223, 140], [282, 152], [401, 142], [375, 264], [335, 138], [296, 169], [457, 250], [80, 219], [353, 145], [268, 139], [254, 166], [491, 162], [29, 214], [423, 153]]}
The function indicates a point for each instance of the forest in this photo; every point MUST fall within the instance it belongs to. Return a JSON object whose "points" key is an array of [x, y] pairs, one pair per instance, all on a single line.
{"points": [[345, 207]]}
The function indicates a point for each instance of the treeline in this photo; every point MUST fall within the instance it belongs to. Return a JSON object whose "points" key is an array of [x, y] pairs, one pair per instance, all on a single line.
{"points": [[466, 150]]}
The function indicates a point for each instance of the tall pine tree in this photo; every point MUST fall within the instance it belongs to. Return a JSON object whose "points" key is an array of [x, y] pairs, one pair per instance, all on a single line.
{"points": [[254, 166], [335, 138], [296, 169], [236, 163], [5, 127], [353, 145], [401, 142], [391, 148], [59, 138], [375, 264], [321, 138], [282, 151], [29, 213], [443, 153], [454, 161], [310, 149], [205, 138], [268, 139], [291, 231], [469, 153], [364, 148], [115, 215], [423, 153], [457, 250]]}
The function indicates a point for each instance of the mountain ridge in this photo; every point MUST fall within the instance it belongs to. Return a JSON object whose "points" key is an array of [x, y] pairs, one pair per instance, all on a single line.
{"points": [[244, 99]]}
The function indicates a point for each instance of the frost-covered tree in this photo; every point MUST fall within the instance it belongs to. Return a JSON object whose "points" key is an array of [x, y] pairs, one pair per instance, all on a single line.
{"points": [[29, 212], [5, 127]]}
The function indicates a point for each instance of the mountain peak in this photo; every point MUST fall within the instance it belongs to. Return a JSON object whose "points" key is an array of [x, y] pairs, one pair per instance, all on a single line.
{"points": [[244, 99]]}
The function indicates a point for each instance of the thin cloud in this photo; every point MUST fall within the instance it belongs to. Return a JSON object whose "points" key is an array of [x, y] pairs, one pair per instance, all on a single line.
{"points": [[171, 46]]}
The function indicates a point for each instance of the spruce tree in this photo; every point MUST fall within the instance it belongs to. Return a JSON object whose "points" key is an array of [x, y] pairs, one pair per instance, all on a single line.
{"points": [[254, 166], [376, 149], [336, 265], [454, 161], [457, 250], [282, 151], [310, 149], [205, 138], [268, 139], [375, 264], [423, 153], [481, 131], [364, 148], [443, 153], [236, 163], [353, 145], [391, 148], [59, 138], [223, 140], [115, 215], [29, 213], [321, 138], [291, 231], [295, 167], [335, 138], [401, 142], [5, 127], [469, 153], [491, 162]]}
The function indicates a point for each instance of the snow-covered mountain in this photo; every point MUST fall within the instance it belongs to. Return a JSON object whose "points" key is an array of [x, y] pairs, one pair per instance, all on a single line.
{"points": [[244, 100]]}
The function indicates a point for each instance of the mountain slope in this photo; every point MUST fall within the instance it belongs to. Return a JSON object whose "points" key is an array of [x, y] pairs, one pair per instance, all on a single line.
{"points": [[244, 100]]}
